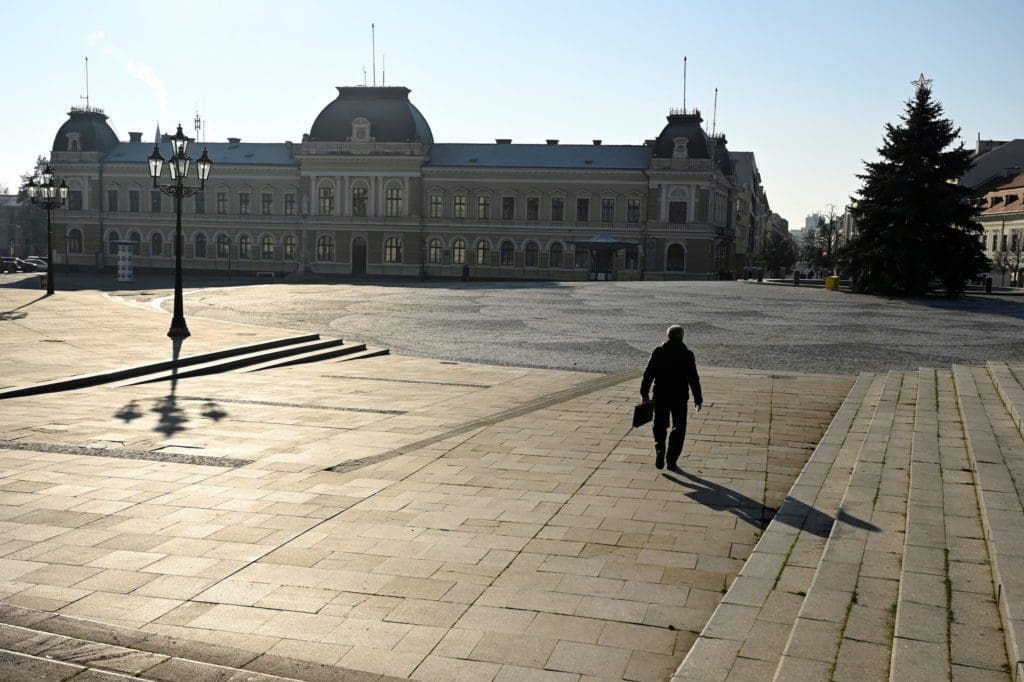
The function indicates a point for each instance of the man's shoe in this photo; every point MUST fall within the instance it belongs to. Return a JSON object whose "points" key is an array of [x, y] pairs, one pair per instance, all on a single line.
{"points": [[659, 460]]}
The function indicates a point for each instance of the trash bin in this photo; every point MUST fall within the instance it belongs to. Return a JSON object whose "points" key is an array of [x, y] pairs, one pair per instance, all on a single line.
{"points": [[796, 278], [832, 283], [988, 285]]}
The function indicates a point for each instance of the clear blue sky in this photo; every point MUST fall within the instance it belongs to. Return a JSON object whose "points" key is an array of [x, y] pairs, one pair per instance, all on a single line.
{"points": [[806, 85]]}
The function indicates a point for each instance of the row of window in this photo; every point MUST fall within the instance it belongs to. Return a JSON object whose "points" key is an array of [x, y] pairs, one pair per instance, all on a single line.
{"points": [[394, 198], [460, 205], [325, 251], [199, 202], [1001, 244]]}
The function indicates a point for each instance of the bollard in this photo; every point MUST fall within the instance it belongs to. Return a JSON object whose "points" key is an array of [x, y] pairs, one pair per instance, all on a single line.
{"points": [[796, 278], [988, 285]]}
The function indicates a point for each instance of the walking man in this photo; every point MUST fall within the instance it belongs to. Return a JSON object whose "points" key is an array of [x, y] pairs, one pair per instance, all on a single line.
{"points": [[673, 371]]}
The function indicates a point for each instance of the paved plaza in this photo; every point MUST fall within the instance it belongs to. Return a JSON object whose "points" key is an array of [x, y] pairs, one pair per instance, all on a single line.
{"points": [[453, 510]]}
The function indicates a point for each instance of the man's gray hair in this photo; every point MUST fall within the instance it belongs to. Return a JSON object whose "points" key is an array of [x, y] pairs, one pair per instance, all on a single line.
{"points": [[675, 333]]}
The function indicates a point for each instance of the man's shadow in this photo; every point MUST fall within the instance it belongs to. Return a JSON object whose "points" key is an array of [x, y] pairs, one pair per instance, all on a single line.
{"points": [[798, 514]]}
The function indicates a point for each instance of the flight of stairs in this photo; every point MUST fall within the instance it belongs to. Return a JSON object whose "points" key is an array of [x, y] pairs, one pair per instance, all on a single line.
{"points": [[899, 553]]}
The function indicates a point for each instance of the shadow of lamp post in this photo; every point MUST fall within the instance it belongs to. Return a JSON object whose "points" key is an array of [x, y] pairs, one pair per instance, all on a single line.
{"points": [[177, 167], [47, 195]]}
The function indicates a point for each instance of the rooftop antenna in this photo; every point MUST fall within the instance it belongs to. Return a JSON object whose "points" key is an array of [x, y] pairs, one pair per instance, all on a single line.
{"points": [[373, 44], [364, 76], [684, 84], [714, 114], [198, 122], [86, 97]]}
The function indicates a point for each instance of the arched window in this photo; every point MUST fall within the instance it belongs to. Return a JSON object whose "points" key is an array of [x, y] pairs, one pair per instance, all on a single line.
{"points": [[156, 244], [137, 238], [392, 250], [483, 252], [556, 255], [530, 256], [75, 241], [508, 251], [267, 247], [459, 252], [676, 258], [434, 251], [200, 246], [325, 249], [289, 247], [326, 199], [223, 246], [359, 194], [112, 237], [244, 246]]}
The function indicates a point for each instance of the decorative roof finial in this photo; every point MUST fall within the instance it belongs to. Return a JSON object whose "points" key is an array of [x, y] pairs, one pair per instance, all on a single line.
{"points": [[922, 83]]}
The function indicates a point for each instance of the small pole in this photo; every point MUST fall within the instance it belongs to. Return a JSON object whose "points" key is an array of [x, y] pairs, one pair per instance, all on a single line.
{"points": [[684, 85], [373, 44]]}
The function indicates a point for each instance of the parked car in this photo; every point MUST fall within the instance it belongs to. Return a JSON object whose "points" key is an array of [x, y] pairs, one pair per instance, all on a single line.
{"points": [[10, 264], [36, 262]]}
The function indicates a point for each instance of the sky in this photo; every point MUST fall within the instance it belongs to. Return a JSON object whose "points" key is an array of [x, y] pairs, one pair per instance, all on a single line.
{"points": [[808, 86]]}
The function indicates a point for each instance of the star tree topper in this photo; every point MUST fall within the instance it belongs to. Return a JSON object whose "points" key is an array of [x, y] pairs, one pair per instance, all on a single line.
{"points": [[922, 82]]}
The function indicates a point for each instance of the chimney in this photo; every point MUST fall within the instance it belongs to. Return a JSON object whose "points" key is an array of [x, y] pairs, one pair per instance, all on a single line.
{"points": [[134, 137], [597, 143], [288, 145], [552, 141], [233, 141], [503, 140]]}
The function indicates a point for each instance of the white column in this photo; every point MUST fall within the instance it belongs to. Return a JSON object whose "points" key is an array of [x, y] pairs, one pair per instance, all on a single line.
{"points": [[314, 196], [347, 199], [405, 195]]}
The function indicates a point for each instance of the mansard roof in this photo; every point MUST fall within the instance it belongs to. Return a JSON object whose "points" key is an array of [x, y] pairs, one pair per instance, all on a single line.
{"points": [[575, 156], [220, 153]]}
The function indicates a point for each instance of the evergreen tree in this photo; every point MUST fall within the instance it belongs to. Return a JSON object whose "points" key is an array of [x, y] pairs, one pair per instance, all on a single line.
{"points": [[914, 224]]}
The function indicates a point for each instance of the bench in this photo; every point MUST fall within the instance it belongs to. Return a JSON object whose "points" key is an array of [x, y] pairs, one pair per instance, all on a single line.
{"points": [[264, 273]]}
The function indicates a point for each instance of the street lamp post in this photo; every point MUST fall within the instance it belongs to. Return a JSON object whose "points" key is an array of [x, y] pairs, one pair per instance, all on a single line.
{"points": [[47, 195], [177, 167]]}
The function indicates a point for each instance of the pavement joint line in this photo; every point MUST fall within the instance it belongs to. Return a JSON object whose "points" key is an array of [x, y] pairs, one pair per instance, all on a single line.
{"points": [[303, 406], [586, 387], [406, 381], [126, 453]]}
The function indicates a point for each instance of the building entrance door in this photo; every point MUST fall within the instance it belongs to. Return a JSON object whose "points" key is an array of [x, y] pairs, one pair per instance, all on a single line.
{"points": [[603, 264], [359, 256]]}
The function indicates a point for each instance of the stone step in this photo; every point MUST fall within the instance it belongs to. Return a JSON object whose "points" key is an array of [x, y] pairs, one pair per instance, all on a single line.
{"points": [[843, 629], [996, 449], [1009, 381], [319, 355], [947, 621], [37, 645], [745, 635]]}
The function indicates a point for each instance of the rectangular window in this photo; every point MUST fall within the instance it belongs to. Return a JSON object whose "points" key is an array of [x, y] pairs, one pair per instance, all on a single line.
{"points": [[1014, 242], [133, 201], [289, 204], [483, 208], [677, 212], [582, 209], [607, 210], [580, 258], [222, 203], [75, 200], [435, 206], [533, 209], [200, 200], [557, 209], [359, 195], [243, 203], [508, 208], [155, 201], [266, 203], [112, 200], [393, 198], [1003, 243], [326, 200], [632, 210], [459, 206]]}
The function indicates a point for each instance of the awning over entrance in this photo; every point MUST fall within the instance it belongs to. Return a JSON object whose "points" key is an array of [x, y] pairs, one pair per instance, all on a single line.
{"points": [[602, 249]]}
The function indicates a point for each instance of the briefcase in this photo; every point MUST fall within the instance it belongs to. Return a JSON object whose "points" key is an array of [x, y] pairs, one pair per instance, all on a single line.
{"points": [[643, 413]]}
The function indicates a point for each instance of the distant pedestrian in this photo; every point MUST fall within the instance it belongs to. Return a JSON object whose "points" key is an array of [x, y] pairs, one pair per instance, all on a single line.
{"points": [[673, 371]]}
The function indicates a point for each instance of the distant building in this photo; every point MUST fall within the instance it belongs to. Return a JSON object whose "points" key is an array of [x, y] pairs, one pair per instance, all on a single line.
{"points": [[751, 211], [369, 192], [11, 237], [1002, 216], [994, 159]]}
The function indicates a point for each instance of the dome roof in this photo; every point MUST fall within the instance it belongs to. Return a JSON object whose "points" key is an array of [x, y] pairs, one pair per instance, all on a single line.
{"points": [[90, 128], [391, 116], [687, 126]]}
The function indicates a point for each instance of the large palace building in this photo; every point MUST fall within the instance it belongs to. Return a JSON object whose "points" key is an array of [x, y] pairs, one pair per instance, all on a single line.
{"points": [[369, 192]]}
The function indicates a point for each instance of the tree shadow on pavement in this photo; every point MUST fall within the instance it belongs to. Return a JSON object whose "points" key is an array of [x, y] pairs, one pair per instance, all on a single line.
{"points": [[793, 513]]}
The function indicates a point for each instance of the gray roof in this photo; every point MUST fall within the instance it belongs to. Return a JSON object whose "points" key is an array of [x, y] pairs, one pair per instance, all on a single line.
{"points": [[392, 117], [94, 133], [1005, 158], [579, 156], [220, 153]]}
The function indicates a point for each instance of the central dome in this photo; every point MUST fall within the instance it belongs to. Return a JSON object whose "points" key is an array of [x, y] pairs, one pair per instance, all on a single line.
{"points": [[371, 114]]}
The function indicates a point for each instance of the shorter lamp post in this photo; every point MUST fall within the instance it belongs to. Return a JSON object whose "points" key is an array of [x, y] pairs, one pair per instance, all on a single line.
{"points": [[177, 167], [47, 195]]}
